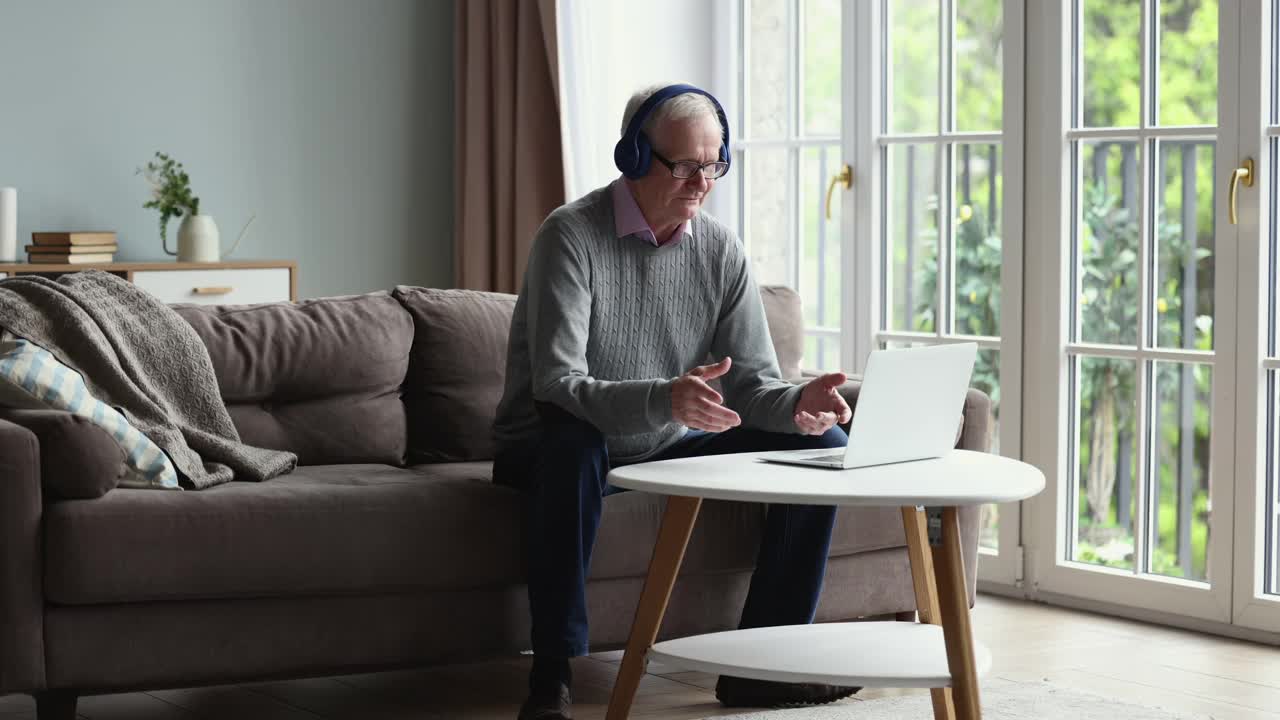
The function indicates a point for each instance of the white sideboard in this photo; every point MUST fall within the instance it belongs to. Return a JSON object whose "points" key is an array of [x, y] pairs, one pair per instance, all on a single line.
{"points": [[222, 283]]}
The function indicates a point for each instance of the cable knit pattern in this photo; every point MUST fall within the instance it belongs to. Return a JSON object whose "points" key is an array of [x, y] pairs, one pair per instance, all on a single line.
{"points": [[604, 325]]}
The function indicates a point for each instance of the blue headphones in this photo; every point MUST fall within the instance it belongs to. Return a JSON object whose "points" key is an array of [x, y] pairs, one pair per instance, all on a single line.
{"points": [[633, 152]]}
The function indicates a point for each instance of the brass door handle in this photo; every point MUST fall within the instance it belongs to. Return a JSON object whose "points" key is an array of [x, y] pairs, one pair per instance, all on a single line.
{"points": [[1243, 173], [213, 290], [844, 177]]}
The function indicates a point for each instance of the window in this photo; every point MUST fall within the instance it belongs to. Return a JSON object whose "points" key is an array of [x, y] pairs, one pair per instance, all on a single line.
{"points": [[1141, 354], [910, 94], [1152, 359], [940, 145], [1149, 367], [790, 114]]}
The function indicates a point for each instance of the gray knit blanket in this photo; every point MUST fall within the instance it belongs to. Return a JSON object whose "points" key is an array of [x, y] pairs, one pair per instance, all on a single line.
{"points": [[138, 355]]}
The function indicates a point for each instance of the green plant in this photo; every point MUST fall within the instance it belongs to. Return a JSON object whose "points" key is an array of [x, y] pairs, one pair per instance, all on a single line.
{"points": [[977, 270], [170, 190]]}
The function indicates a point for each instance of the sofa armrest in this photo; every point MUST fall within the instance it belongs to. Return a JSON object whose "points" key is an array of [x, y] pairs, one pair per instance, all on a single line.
{"points": [[976, 430], [974, 433], [21, 601], [78, 459]]}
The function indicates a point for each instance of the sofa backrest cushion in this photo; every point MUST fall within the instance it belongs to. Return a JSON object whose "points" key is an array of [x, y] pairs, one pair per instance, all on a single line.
{"points": [[456, 372], [320, 378], [32, 378], [458, 364], [786, 326]]}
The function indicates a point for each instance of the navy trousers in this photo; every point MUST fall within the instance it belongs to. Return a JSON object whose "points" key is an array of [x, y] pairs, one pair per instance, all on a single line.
{"points": [[562, 475]]}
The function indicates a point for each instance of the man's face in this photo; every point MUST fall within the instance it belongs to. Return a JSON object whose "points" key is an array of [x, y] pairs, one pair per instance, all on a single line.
{"points": [[667, 200]]}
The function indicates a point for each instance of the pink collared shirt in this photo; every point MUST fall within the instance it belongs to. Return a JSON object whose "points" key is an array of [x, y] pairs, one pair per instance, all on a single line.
{"points": [[628, 220]]}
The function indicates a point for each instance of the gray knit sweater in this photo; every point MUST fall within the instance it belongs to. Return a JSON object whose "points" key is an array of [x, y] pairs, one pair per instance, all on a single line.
{"points": [[604, 325]]}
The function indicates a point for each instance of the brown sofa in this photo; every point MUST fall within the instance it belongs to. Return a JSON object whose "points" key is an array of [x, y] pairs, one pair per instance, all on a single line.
{"points": [[389, 546]]}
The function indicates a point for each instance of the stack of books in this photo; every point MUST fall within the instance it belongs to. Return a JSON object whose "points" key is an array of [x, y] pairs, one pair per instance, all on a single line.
{"points": [[77, 248]]}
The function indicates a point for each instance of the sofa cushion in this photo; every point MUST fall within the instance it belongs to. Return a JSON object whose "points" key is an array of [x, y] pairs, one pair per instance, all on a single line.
{"points": [[78, 459], [319, 378], [456, 371], [365, 529], [321, 529], [786, 327]]}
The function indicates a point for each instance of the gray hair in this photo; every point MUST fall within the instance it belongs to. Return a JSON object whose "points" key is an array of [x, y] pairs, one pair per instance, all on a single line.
{"points": [[686, 106]]}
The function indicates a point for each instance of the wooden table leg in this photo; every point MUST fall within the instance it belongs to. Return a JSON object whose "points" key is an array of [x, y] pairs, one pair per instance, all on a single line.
{"points": [[953, 597], [668, 552], [913, 521]]}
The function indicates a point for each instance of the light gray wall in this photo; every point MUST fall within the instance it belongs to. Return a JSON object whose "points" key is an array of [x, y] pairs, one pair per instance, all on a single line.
{"points": [[331, 120]]}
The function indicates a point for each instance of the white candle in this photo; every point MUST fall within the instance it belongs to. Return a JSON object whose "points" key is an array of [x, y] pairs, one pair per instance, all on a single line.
{"points": [[8, 224]]}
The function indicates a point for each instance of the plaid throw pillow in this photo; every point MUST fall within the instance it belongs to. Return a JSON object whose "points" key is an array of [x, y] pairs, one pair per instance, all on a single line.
{"points": [[32, 378]]}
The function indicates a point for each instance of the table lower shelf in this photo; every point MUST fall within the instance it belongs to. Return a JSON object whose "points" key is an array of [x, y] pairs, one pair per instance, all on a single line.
{"points": [[867, 654]]}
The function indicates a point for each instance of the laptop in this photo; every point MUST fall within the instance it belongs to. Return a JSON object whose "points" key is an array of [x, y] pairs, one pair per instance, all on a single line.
{"points": [[909, 408]]}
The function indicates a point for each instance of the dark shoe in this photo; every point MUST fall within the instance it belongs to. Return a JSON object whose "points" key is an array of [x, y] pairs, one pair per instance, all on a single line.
{"points": [[548, 704], [744, 692]]}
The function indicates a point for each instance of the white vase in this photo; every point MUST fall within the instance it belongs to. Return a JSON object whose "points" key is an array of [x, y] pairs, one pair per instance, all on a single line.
{"points": [[198, 239], [8, 224]]}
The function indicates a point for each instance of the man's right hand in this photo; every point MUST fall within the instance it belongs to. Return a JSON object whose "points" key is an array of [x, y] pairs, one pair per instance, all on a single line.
{"points": [[696, 404]]}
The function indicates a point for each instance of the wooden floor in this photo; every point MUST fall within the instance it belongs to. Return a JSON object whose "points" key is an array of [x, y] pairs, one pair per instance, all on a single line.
{"points": [[1126, 660]]}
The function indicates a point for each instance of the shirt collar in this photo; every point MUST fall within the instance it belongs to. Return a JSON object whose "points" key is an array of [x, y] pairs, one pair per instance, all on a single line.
{"points": [[628, 220]]}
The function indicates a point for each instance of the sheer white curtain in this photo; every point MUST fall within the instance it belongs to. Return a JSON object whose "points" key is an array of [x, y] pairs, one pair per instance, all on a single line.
{"points": [[585, 29], [608, 49]]}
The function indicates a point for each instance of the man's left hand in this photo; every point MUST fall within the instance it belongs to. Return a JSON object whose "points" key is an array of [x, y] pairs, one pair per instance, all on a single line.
{"points": [[820, 406]]}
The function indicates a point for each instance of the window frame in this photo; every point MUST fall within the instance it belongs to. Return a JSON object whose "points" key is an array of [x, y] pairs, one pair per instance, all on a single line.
{"points": [[1053, 124], [1257, 444]]}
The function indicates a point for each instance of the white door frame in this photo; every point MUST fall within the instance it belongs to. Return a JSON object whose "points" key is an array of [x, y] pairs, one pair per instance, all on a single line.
{"points": [[1250, 114], [1007, 567], [1046, 203], [862, 51]]}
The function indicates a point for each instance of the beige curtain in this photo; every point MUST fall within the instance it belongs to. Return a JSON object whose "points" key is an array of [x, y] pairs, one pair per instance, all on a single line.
{"points": [[508, 167]]}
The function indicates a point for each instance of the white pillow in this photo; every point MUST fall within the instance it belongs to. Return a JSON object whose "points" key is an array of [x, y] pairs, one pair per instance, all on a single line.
{"points": [[31, 378]]}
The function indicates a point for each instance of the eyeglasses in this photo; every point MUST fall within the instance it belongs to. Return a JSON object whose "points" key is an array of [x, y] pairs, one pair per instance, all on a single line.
{"points": [[685, 169]]}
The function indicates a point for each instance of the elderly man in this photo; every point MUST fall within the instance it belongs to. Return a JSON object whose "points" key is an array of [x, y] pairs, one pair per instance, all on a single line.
{"points": [[628, 291]]}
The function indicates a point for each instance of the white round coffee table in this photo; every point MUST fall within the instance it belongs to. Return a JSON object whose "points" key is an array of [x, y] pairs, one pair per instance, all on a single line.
{"points": [[938, 652]]}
